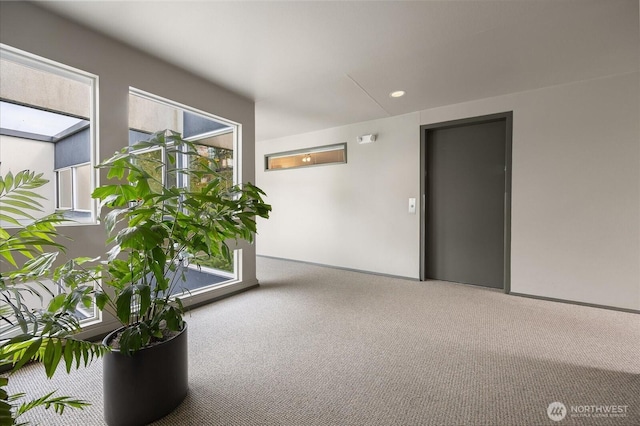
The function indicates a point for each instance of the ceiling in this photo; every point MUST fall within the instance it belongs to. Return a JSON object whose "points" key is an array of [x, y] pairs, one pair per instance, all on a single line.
{"points": [[315, 65]]}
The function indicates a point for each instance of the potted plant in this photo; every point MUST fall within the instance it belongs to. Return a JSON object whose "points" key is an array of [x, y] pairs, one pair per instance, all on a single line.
{"points": [[157, 224], [28, 249]]}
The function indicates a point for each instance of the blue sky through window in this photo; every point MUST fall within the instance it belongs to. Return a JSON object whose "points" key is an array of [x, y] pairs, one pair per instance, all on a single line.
{"points": [[35, 121]]}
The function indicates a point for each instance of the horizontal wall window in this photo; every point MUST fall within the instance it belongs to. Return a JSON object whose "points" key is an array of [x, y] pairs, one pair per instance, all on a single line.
{"points": [[322, 155]]}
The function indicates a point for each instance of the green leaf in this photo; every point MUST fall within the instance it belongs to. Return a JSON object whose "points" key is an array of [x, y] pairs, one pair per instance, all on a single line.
{"points": [[29, 200], [113, 253], [56, 303], [174, 319], [133, 338], [145, 298], [30, 194], [142, 187], [18, 178], [6, 218], [115, 172], [68, 356], [28, 354], [47, 359], [115, 195], [48, 401], [101, 299], [17, 212], [52, 364], [111, 219], [77, 354], [9, 257], [123, 305], [8, 181], [17, 203]]}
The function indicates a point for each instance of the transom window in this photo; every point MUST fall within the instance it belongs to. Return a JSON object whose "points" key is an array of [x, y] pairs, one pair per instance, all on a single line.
{"points": [[318, 156]]}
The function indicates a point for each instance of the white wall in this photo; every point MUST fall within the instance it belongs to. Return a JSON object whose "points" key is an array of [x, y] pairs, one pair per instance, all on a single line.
{"points": [[18, 154], [576, 193], [351, 215], [576, 184], [28, 27]]}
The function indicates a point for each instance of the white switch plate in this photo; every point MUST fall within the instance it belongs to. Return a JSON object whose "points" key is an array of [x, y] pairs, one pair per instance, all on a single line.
{"points": [[412, 205]]}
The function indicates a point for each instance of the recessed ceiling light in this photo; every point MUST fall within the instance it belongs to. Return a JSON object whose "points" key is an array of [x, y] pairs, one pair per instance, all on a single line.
{"points": [[397, 93]]}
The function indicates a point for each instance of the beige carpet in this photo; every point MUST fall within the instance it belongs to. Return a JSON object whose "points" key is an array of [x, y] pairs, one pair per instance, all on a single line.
{"points": [[320, 346]]}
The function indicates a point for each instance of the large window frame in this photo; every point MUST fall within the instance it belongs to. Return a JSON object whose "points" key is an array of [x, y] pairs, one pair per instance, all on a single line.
{"points": [[40, 63], [236, 160], [89, 316]]}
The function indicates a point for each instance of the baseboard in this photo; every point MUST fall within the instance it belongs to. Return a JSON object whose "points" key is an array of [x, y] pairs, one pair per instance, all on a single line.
{"points": [[573, 302], [342, 268], [222, 296]]}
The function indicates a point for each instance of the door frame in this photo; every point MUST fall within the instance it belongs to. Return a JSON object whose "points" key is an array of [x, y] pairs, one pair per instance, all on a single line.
{"points": [[424, 129]]}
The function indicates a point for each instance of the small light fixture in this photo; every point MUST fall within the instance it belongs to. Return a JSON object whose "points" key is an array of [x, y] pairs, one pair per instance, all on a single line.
{"points": [[366, 138], [397, 93]]}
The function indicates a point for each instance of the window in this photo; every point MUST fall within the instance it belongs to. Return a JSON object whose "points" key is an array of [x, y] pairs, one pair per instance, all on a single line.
{"points": [[65, 191], [82, 188], [149, 160], [215, 139], [74, 191], [328, 154], [47, 125]]}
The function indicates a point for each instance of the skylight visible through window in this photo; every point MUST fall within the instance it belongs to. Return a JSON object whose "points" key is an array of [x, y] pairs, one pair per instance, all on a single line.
{"points": [[47, 125], [37, 122]]}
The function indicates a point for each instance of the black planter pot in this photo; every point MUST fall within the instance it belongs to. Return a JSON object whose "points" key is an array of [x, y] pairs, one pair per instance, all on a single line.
{"points": [[146, 386]]}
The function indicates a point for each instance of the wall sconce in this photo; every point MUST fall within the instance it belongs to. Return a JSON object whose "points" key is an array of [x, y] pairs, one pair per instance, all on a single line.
{"points": [[366, 139]]}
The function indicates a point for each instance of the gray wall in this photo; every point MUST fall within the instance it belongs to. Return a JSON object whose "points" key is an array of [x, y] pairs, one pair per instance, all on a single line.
{"points": [[72, 150], [575, 197], [26, 26]]}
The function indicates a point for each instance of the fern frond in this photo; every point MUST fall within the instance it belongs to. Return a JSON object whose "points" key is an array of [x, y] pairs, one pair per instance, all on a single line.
{"points": [[59, 404], [50, 351]]}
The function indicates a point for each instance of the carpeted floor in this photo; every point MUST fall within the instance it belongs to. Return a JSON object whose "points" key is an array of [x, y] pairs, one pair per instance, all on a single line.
{"points": [[320, 346]]}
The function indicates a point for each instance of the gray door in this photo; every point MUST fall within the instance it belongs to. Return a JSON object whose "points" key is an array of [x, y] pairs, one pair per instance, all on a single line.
{"points": [[465, 203]]}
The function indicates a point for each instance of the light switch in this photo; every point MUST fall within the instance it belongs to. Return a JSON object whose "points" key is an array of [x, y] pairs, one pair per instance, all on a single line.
{"points": [[412, 205]]}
